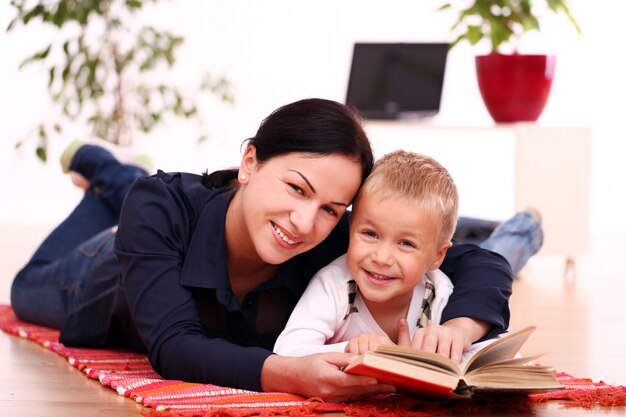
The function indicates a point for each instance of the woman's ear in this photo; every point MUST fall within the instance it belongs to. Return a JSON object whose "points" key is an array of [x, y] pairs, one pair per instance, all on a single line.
{"points": [[441, 254], [248, 164]]}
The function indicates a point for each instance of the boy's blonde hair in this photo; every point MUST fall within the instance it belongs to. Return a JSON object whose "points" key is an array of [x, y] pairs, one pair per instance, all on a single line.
{"points": [[417, 178]]}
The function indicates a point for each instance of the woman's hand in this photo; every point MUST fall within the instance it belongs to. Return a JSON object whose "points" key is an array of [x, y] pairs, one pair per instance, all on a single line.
{"points": [[450, 339], [366, 342], [318, 375]]}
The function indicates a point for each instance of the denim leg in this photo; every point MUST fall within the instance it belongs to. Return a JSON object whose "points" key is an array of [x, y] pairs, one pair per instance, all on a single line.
{"points": [[89, 217], [473, 230], [43, 292], [50, 282], [517, 239], [109, 178]]}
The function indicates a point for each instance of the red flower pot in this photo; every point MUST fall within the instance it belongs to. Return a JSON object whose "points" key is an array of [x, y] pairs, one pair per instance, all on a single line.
{"points": [[515, 87]]}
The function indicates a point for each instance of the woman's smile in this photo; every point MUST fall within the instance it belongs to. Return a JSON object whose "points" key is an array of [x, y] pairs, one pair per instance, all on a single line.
{"points": [[284, 238]]}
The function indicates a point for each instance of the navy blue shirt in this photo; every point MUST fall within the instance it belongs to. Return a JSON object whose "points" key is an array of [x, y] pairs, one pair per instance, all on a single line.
{"points": [[175, 300]]}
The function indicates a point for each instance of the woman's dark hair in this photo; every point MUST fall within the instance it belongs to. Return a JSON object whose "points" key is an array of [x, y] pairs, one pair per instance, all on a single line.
{"points": [[315, 126]]}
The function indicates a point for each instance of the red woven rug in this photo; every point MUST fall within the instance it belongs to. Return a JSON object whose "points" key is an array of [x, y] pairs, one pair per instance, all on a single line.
{"points": [[131, 375]]}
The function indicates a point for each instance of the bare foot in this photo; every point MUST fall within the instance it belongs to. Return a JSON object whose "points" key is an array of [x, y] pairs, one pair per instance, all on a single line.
{"points": [[535, 213], [79, 181], [126, 155]]}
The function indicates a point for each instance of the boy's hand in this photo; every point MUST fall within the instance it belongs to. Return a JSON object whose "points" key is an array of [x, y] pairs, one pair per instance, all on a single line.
{"points": [[366, 342], [450, 339]]}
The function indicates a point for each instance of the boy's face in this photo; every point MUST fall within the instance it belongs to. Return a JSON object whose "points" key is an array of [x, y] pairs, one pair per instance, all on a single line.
{"points": [[393, 242]]}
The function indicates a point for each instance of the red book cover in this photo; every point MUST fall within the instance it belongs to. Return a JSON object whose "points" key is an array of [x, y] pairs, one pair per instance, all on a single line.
{"points": [[402, 381]]}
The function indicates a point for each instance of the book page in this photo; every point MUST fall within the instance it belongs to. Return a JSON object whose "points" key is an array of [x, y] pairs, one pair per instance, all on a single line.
{"points": [[412, 355], [513, 377], [502, 349], [517, 361], [422, 363]]}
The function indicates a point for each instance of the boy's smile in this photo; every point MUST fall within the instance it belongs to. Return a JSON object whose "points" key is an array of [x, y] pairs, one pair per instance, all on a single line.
{"points": [[393, 243]]}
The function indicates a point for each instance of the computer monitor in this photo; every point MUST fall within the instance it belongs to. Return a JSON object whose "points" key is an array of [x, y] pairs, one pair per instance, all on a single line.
{"points": [[397, 80]]}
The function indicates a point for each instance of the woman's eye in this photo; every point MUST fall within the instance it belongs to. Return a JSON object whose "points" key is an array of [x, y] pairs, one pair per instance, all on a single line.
{"points": [[296, 188], [330, 210]]}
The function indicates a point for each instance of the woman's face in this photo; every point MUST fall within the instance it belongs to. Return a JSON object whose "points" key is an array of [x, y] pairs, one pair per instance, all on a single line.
{"points": [[292, 202]]}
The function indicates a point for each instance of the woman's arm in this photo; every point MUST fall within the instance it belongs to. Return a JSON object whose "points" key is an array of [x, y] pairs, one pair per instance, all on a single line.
{"points": [[152, 243], [483, 283]]}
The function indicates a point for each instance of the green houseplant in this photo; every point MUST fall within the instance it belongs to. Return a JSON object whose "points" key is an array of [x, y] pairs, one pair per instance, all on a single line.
{"points": [[107, 72], [514, 87]]}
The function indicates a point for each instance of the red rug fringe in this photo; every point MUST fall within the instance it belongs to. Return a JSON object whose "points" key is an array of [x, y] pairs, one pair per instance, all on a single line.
{"points": [[131, 375], [602, 396], [584, 393]]}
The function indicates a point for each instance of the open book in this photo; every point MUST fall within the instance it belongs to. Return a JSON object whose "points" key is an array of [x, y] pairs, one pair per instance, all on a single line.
{"points": [[494, 368]]}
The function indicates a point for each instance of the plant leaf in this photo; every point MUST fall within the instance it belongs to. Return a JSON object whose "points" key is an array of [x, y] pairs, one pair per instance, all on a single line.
{"points": [[37, 56], [474, 34]]}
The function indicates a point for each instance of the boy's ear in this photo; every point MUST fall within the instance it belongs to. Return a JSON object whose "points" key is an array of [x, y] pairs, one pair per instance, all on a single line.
{"points": [[441, 254]]}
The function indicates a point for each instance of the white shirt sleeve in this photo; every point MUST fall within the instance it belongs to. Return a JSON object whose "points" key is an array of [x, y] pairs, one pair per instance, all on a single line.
{"points": [[318, 314]]}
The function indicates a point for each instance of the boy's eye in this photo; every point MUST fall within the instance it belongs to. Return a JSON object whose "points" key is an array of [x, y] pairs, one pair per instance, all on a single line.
{"points": [[370, 233], [407, 244]]}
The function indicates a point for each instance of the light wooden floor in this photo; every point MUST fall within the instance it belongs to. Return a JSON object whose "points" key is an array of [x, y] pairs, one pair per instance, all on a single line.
{"points": [[581, 325]]}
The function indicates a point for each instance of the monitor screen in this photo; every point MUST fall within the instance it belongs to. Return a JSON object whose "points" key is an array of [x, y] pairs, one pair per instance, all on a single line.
{"points": [[397, 80]]}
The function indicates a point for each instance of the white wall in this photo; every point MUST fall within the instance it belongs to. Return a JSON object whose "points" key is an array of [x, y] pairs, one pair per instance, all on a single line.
{"points": [[278, 51]]}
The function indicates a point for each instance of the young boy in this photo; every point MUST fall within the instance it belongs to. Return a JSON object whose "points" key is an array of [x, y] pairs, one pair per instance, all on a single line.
{"points": [[401, 227]]}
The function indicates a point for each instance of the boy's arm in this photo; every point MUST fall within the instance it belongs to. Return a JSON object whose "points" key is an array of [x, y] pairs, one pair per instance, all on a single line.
{"points": [[316, 317]]}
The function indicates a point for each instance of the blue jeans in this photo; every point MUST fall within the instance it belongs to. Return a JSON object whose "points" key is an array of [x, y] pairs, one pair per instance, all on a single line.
{"points": [[517, 239], [51, 282]]}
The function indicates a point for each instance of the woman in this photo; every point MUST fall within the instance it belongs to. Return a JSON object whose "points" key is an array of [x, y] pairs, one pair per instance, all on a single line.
{"points": [[211, 266]]}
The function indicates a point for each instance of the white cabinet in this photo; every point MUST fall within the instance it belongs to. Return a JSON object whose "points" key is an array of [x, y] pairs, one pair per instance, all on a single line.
{"points": [[503, 168]]}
